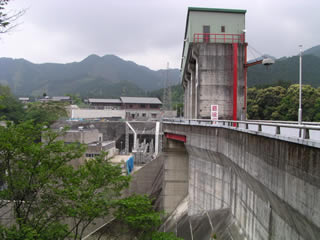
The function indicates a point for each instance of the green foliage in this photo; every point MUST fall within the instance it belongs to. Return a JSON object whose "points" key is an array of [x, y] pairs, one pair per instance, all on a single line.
{"points": [[45, 112], [4, 21], [278, 103], [313, 51], [99, 77], [136, 211], [177, 94], [262, 103], [288, 108], [39, 112], [44, 190], [13, 233], [286, 70], [10, 108], [7, 18]]}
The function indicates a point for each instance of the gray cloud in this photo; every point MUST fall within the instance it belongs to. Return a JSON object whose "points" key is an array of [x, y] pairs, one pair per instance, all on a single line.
{"points": [[149, 32]]}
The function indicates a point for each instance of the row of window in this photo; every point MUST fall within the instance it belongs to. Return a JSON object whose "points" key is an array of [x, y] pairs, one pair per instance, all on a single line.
{"points": [[144, 106], [206, 29], [133, 115]]}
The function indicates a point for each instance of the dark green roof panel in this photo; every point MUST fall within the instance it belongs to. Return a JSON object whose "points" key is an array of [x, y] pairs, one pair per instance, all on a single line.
{"points": [[216, 10]]}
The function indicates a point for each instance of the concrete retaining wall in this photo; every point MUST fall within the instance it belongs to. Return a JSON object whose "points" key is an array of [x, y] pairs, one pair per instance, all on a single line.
{"points": [[271, 186], [175, 180], [145, 180]]}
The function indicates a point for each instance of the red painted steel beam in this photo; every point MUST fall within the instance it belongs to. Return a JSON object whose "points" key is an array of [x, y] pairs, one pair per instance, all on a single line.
{"points": [[177, 137], [246, 65], [245, 76], [235, 80]]}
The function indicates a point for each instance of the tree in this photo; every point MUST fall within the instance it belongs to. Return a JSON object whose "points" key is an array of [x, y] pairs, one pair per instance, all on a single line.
{"points": [[288, 107], [278, 103], [262, 103], [10, 108], [137, 213], [8, 20], [45, 112], [48, 197]]}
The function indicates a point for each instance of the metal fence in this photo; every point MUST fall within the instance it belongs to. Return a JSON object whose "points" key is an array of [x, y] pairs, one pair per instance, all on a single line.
{"points": [[306, 131], [218, 38]]}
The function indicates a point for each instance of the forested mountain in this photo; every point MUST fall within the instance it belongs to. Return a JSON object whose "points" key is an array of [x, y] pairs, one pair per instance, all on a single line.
{"points": [[107, 76], [313, 51], [111, 76], [287, 70]]}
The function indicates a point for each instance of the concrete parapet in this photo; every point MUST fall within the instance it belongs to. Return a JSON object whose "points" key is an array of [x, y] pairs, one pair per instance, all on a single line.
{"points": [[271, 187]]}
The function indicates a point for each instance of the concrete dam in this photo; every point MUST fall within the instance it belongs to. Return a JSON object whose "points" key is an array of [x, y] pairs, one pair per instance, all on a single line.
{"points": [[220, 176], [249, 185], [226, 177]]}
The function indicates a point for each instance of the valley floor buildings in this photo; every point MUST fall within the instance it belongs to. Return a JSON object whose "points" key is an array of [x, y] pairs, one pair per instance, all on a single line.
{"points": [[128, 108]]}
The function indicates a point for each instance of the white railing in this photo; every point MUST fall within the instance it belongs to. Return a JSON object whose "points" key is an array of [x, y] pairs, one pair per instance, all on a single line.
{"points": [[306, 131]]}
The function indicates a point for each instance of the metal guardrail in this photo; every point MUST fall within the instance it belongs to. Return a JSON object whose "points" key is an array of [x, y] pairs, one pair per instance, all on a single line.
{"points": [[307, 131], [218, 38]]}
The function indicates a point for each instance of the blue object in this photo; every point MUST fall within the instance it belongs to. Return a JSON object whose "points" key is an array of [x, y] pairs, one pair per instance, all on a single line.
{"points": [[130, 164]]}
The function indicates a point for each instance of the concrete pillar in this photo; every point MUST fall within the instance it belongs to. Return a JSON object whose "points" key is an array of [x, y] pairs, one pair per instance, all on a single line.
{"points": [[176, 175], [187, 99], [196, 88], [184, 99], [126, 141], [157, 138], [190, 96], [193, 95], [151, 148]]}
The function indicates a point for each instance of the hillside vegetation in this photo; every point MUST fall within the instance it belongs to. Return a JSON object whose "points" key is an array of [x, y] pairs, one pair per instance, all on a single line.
{"points": [[110, 76], [107, 76], [279, 103], [286, 70]]}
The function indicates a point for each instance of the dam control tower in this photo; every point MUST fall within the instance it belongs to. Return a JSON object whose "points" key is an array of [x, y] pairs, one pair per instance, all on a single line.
{"points": [[213, 63]]}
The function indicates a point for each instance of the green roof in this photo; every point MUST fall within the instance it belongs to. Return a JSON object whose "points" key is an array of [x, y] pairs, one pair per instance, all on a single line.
{"points": [[216, 10]]}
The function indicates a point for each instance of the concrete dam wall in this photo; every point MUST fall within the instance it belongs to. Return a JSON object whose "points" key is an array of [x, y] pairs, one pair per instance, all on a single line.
{"points": [[271, 187]]}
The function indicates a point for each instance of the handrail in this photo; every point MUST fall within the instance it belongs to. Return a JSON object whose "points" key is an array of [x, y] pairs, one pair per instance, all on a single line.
{"points": [[218, 37], [253, 122], [287, 122], [303, 128]]}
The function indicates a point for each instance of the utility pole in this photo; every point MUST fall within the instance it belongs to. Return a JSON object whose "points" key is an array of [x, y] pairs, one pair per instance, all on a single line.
{"points": [[300, 87]]}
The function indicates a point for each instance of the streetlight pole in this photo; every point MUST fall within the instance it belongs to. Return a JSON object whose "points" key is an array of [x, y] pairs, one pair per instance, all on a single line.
{"points": [[300, 88]]}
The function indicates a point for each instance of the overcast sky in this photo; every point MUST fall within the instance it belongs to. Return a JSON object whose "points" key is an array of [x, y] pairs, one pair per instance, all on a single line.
{"points": [[149, 32]]}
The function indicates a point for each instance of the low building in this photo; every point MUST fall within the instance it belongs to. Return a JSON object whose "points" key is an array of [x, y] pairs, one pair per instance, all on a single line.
{"points": [[24, 99], [141, 103], [141, 108], [96, 114], [143, 115], [94, 142], [61, 99], [66, 99], [100, 103]]}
